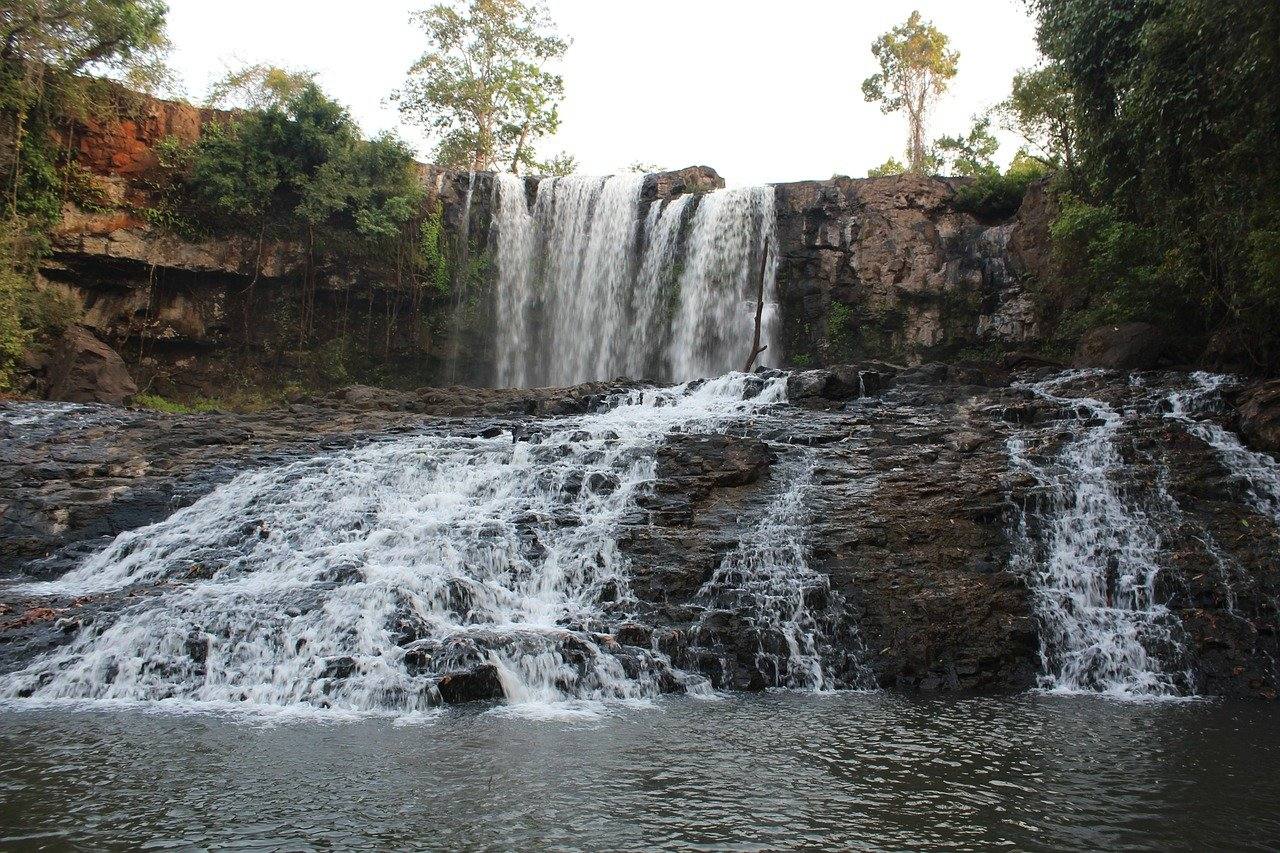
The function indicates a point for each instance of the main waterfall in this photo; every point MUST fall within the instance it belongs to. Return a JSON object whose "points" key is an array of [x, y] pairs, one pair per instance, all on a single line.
{"points": [[592, 286]]}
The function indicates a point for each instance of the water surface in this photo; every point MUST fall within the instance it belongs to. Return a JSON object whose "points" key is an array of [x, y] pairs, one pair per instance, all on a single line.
{"points": [[781, 771]]}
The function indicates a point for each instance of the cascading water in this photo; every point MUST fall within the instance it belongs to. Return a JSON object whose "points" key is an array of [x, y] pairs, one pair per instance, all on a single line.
{"points": [[1091, 557], [370, 580], [1259, 473], [767, 582], [712, 330], [590, 288]]}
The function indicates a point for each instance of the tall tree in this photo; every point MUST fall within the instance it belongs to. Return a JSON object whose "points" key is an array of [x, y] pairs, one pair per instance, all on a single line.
{"points": [[1042, 111], [258, 87], [916, 66], [482, 85]]}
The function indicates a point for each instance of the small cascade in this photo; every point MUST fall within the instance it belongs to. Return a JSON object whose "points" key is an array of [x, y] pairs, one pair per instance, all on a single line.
{"points": [[591, 285], [1091, 556], [461, 264], [779, 606], [732, 232], [387, 578], [1259, 473]]}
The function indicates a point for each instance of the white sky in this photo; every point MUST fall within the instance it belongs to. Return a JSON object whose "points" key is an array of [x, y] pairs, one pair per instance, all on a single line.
{"points": [[761, 91]]}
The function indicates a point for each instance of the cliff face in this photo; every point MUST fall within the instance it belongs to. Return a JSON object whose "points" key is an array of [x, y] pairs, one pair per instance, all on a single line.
{"points": [[887, 267]]}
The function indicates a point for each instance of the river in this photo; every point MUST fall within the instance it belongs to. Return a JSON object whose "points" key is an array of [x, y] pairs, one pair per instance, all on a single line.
{"points": [[768, 772]]}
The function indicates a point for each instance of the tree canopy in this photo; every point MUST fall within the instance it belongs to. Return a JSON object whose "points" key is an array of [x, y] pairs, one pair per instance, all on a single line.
{"points": [[916, 66], [482, 86]]}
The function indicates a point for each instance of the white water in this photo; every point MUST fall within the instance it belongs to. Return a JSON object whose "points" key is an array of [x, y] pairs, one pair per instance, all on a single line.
{"points": [[768, 581], [589, 288], [354, 581], [1091, 556], [714, 324], [1259, 473]]}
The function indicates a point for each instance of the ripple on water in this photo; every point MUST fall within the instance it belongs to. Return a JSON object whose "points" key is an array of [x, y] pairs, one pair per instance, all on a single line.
{"points": [[786, 771]]}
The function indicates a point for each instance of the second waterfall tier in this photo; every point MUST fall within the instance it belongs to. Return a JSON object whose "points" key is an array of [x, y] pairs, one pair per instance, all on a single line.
{"points": [[592, 284]]}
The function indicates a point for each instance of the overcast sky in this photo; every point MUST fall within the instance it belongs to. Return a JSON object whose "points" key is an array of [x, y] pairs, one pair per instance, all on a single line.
{"points": [[762, 91]]}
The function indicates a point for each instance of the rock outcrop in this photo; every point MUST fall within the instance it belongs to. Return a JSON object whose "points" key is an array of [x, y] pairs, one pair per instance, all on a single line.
{"points": [[1123, 346], [893, 268], [83, 369], [1259, 411]]}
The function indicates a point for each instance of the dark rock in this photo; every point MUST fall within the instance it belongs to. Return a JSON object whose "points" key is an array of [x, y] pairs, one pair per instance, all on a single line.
{"points": [[1127, 346], [478, 684], [1260, 416], [83, 369]]}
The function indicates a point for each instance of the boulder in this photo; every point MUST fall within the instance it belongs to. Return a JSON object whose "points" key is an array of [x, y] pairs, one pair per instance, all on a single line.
{"points": [[1122, 346], [478, 684], [1260, 416], [83, 369]]}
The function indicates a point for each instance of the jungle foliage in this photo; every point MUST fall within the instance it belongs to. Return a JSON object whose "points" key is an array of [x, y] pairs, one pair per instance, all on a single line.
{"points": [[1173, 212]]}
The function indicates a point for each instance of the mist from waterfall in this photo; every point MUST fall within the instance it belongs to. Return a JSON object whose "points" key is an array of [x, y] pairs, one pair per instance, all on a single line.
{"points": [[592, 284]]}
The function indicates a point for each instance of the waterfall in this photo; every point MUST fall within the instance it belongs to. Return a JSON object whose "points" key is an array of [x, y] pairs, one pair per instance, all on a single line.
{"points": [[372, 580], [515, 297], [1091, 557], [592, 286], [1259, 473], [767, 581], [714, 322]]}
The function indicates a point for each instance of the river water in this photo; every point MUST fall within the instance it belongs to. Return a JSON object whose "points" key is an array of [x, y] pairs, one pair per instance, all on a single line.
{"points": [[768, 772]]}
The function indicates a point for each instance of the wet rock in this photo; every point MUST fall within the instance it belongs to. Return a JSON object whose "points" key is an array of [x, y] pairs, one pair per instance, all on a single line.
{"points": [[478, 684], [83, 369], [709, 461], [1260, 417], [1124, 346]]}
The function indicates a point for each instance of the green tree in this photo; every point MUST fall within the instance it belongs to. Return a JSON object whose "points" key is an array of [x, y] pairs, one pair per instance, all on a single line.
{"points": [[892, 166], [482, 85], [1042, 111], [972, 155], [916, 67], [257, 87], [1176, 107]]}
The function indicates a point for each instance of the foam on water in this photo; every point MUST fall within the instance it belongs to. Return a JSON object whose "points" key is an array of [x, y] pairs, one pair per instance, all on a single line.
{"points": [[1091, 556], [356, 581]]}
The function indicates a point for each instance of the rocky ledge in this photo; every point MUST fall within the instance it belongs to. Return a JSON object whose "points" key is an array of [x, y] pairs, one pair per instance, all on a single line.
{"points": [[914, 514]]}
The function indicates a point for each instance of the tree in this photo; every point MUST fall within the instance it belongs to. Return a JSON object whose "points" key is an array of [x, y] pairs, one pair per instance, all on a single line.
{"points": [[73, 36], [973, 155], [481, 86], [889, 167], [645, 168], [559, 165], [258, 87], [915, 69], [1175, 108], [1041, 110]]}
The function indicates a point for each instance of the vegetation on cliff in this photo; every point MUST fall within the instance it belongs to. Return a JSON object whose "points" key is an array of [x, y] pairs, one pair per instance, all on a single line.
{"points": [[1172, 208], [48, 49], [482, 86]]}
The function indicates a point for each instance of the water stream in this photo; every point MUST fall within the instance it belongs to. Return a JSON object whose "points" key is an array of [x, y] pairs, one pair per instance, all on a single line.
{"points": [[592, 285]]}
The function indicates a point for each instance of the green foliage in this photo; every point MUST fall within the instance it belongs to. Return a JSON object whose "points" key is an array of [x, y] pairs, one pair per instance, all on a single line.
{"points": [[972, 155], [994, 196], [1042, 110], [559, 165], [172, 407], [301, 165], [1176, 108], [916, 66], [258, 87], [433, 256], [889, 167], [481, 86]]}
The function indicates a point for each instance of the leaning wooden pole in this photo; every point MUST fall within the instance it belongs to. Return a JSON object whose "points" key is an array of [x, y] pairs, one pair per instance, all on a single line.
{"points": [[756, 348]]}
